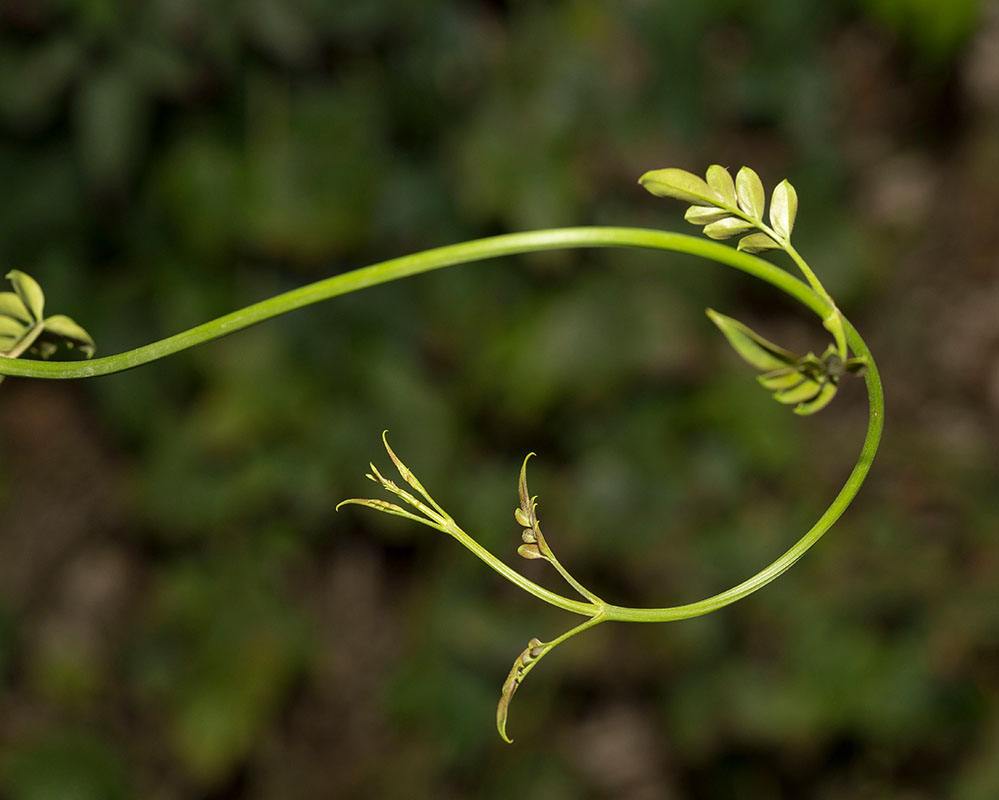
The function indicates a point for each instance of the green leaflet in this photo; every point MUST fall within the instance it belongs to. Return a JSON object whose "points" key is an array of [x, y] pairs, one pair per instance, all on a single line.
{"points": [[727, 228], [780, 379], [704, 215], [680, 185], [757, 243], [29, 291], [721, 181], [820, 401], [64, 328], [13, 306], [806, 390], [749, 189], [754, 349], [11, 327], [783, 208]]}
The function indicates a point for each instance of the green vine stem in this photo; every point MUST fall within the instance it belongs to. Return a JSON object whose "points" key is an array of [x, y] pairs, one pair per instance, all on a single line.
{"points": [[811, 294]]}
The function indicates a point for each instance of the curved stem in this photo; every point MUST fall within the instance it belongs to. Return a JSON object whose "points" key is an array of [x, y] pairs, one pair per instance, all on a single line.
{"points": [[477, 250], [816, 299]]}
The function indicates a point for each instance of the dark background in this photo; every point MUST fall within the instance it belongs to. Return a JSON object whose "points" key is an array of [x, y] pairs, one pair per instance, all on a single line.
{"points": [[183, 615]]}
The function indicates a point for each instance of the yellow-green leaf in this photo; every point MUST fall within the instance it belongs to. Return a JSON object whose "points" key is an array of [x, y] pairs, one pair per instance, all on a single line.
{"points": [[757, 243], [780, 379], [11, 327], [63, 327], [783, 208], [12, 306], [29, 291], [703, 215], [804, 391], [752, 347], [680, 185], [727, 228], [820, 401], [749, 188], [721, 181]]}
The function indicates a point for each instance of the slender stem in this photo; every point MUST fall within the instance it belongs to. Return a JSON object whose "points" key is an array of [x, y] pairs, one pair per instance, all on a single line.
{"points": [[547, 647], [569, 579], [477, 250], [875, 425], [508, 572]]}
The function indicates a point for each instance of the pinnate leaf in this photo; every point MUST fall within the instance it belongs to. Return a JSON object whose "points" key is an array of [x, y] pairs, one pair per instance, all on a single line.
{"points": [[679, 184], [783, 208], [752, 347], [749, 188]]}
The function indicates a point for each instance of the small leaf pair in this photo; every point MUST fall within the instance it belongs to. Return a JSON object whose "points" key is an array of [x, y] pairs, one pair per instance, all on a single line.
{"points": [[808, 383], [727, 207]]}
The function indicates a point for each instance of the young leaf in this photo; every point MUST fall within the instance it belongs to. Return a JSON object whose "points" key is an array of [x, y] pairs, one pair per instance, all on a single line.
{"points": [[380, 505], [11, 327], [749, 188], [721, 181], [7, 343], [12, 306], [783, 208], [757, 243], [820, 401], [703, 215], [780, 379], [753, 348], [679, 184], [67, 330], [535, 649], [727, 228], [29, 291], [804, 391]]}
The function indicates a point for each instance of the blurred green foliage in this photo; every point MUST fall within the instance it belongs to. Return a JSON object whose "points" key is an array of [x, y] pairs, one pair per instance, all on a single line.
{"points": [[181, 612]]}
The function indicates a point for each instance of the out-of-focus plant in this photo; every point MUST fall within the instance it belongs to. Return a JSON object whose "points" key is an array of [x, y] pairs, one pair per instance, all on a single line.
{"points": [[726, 207]]}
